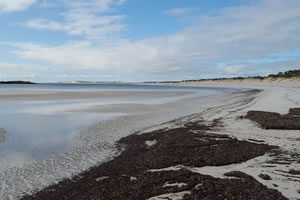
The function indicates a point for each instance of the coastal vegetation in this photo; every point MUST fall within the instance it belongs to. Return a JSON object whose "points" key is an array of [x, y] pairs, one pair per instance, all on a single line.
{"points": [[287, 74], [283, 75]]}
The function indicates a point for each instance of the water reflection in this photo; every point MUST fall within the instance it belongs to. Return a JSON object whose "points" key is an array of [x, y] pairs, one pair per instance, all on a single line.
{"points": [[40, 136]]}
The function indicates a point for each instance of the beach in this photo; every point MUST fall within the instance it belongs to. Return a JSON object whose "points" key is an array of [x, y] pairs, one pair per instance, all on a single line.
{"points": [[187, 148], [132, 100]]}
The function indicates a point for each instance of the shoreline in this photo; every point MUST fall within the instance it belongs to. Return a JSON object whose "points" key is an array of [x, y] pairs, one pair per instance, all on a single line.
{"points": [[229, 114]]}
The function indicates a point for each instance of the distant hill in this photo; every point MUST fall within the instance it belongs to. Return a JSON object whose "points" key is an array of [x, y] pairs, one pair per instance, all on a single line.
{"points": [[16, 82]]}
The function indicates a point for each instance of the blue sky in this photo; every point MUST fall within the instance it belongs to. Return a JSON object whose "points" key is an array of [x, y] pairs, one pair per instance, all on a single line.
{"points": [[147, 40]]}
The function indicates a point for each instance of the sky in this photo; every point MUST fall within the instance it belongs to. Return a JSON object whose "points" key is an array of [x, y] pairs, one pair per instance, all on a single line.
{"points": [[147, 40]]}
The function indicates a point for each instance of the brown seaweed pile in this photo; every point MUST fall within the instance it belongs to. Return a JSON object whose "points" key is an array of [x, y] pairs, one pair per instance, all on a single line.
{"points": [[271, 120]]}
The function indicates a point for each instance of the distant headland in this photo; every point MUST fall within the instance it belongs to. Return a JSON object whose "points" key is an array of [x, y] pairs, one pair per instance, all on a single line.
{"points": [[16, 82]]}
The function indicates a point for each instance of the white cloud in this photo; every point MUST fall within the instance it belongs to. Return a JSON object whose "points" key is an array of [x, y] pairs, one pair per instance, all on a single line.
{"points": [[15, 5], [178, 11], [88, 25], [236, 33], [92, 5], [85, 18]]}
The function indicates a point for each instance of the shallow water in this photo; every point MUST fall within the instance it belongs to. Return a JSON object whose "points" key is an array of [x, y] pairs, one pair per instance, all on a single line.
{"points": [[38, 136], [54, 131]]}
